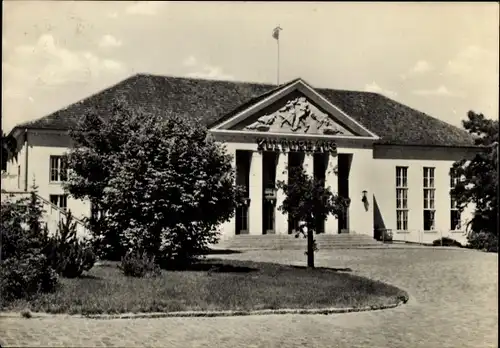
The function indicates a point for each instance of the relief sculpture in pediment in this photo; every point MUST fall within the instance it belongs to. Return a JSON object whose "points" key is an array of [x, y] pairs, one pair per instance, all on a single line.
{"points": [[298, 116]]}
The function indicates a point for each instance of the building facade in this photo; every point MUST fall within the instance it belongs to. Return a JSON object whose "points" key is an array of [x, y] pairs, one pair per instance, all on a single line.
{"points": [[398, 181]]}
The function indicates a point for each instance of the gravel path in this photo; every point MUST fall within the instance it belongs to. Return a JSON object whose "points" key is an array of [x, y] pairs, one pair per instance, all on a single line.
{"points": [[454, 303]]}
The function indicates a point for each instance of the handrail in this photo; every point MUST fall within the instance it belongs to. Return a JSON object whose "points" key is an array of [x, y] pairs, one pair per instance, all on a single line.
{"points": [[65, 213], [53, 206]]}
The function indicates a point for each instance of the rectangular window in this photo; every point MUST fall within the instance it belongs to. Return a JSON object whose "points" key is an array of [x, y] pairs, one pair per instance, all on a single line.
{"points": [[455, 215], [58, 169], [429, 199], [60, 201], [402, 198], [18, 177]]}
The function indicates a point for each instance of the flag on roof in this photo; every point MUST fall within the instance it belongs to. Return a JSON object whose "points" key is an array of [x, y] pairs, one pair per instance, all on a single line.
{"points": [[276, 32]]}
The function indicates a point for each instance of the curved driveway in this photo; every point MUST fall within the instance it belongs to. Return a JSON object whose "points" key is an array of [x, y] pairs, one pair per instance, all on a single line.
{"points": [[454, 303]]}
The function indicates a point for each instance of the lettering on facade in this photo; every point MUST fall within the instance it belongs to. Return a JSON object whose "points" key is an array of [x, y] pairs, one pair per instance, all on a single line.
{"points": [[297, 146]]}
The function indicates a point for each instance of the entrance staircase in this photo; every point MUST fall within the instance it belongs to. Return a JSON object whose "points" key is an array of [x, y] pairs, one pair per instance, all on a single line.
{"points": [[289, 242], [52, 214]]}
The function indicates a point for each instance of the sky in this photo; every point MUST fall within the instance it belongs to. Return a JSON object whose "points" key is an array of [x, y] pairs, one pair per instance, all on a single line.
{"points": [[439, 58]]}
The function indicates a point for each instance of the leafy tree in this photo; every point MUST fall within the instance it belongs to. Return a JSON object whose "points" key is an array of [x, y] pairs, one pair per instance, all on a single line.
{"points": [[479, 184], [162, 184], [9, 149], [307, 199]]}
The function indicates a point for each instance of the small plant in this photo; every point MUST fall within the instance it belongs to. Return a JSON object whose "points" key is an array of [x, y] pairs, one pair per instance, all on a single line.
{"points": [[26, 313], [67, 255], [136, 264]]}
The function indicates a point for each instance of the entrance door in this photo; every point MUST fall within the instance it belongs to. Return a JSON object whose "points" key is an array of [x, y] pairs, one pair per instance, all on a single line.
{"points": [[344, 165], [320, 225], [268, 217], [242, 220], [293, 226], [342, 220]]}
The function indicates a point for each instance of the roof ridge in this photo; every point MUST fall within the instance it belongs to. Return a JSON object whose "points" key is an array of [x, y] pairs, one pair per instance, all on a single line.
{"points": [[179, 77]]}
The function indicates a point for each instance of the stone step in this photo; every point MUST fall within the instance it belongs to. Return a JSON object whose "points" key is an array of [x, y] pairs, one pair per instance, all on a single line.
{"points": [[287, 237], [301, 243], [284, 242], [270, 247]]}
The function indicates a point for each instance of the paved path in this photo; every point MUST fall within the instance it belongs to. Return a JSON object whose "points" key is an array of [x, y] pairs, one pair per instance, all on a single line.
{"points": [[454, 296]]}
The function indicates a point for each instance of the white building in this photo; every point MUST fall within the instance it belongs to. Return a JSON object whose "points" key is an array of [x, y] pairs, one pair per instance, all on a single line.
{"points": [[396, 157]]}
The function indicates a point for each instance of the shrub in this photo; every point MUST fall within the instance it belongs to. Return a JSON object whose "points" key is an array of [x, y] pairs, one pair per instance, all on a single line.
{"points": [[383, 234], [22, 231], [26, 313], [446, 241], [485, 241], [24, 269], [136, 264], [67, 255], [26, 276]]}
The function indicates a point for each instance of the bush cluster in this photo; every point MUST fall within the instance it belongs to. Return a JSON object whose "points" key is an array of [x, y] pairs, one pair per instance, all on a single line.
{"points": [[24, 268], [139, 264], [31, 259], [483, 240]]}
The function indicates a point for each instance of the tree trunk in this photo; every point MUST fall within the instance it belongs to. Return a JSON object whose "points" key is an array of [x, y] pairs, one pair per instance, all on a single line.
{"points": [[310, 248]]}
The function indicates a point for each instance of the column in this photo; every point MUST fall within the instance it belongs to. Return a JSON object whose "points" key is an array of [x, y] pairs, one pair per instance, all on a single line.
{"points": [[281, 175], [331, 180], [256, 194]]}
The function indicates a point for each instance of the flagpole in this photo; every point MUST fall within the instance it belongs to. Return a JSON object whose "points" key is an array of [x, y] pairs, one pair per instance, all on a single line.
{"points": [[276, 36], [278, 73]]}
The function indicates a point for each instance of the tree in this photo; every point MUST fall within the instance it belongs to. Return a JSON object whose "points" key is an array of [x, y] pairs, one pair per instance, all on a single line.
{"points": [[307, 199], [9, 149], [479, 184], [162, 184]]}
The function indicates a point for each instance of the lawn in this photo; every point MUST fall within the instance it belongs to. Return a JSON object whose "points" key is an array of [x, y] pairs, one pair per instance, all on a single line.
{"points": [[212, 285]]}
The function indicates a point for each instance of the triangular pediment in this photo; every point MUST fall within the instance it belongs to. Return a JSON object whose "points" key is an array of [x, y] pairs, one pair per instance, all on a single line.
{"points": [[295, 108], [296, 114]]}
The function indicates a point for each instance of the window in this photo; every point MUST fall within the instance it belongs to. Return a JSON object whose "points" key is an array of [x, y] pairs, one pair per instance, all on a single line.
{"points": [[60, 201], [429, 195], [455, 215], [18, 177], [58, 169], [402, 198]]}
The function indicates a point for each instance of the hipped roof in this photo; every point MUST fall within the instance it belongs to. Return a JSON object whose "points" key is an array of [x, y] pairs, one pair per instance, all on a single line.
{"points": [[212, 101]]}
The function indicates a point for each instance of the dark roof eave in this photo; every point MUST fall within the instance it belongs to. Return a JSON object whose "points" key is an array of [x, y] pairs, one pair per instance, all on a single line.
{"points": [[39, 128], [393, 143]]}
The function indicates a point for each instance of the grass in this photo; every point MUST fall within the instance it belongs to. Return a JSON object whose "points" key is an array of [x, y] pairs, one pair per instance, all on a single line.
{"points": [[212, 285]]}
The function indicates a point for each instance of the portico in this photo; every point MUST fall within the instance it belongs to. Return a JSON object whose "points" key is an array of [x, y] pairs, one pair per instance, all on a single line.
{"points": [[294, 126]]}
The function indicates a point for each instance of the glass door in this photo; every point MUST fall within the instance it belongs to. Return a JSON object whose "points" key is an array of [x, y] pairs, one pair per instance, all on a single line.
{"points": [[269, 217], [242, 220]]}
